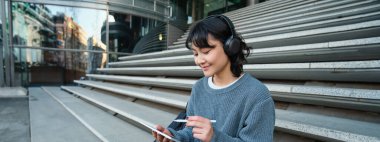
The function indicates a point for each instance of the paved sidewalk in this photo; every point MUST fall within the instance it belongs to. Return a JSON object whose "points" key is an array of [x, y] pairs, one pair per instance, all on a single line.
{"points": [[14, 115]]}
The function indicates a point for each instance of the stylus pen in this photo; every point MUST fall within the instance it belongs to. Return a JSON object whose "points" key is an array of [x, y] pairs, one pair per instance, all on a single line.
{"points": [[184, 120]]}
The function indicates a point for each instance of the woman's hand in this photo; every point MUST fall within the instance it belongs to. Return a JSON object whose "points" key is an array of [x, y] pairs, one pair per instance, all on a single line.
{"points": [[159, 137], [202, 128]]}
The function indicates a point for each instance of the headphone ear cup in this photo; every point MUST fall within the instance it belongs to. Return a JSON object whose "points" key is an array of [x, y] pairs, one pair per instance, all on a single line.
{"points": [[232, 46]]}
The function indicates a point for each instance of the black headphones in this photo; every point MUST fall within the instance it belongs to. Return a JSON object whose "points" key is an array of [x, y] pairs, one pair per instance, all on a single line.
{"points": [[232, 44]]}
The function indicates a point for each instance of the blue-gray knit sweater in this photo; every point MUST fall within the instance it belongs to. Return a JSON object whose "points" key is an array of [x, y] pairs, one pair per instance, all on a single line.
{"points": [[244, 111]]}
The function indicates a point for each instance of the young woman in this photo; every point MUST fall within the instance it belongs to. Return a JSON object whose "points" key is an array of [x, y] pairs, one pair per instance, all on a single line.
{"points": [[241, 105]]}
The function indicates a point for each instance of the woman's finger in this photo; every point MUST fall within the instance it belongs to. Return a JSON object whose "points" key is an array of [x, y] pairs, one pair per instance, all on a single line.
{"points": [[199, 136], [160, 138], [154, 134], [160, 128], [197, 124], [198, 131], [166, 140], [197, 118]]}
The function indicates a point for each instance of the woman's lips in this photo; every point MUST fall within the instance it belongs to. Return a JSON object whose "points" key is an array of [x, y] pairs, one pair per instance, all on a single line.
{"points": [[205, 68]]}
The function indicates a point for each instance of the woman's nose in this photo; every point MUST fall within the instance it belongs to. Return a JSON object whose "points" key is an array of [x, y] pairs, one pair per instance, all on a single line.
{"points": [[200, 59]]}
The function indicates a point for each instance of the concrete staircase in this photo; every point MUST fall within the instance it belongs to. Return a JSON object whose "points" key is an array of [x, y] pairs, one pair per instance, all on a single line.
{"points": [[319, 58]]}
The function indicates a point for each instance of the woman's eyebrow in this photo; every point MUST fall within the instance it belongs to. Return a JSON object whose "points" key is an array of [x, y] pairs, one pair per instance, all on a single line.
{"points": [[206, 48], [211, 46]]}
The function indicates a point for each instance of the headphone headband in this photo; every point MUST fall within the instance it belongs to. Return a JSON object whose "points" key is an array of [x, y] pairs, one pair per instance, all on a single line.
{"points": [[227, 21], [232, 44]]}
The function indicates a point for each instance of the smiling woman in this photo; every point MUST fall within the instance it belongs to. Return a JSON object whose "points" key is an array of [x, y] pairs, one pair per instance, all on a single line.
{"points": [[240, 104]]}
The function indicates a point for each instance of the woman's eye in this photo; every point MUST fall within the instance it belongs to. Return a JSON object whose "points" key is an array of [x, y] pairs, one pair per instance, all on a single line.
{"points": [[195, 54], [206, 52]]}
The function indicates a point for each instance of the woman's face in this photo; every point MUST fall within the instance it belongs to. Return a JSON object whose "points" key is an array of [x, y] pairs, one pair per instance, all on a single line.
{"points": [[213, 60]]}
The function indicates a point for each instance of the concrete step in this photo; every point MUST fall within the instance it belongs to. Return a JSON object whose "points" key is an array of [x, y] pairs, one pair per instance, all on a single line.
{"points": [[181, 51], [172, 83], [326, 128], [260, 7], [257, 7], [13, 92], [340, 97], [184, 36], [278, 8], [49, 121], [356, 49], [165, 98], [177, 45], [136, 114], [14, 115], [114, 130], [347, 71]]}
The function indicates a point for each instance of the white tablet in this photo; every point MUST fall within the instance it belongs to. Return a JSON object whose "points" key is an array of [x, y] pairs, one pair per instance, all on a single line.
{"points": [[161, 133]]}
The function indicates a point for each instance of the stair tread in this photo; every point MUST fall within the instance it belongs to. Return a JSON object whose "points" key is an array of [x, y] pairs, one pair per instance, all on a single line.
{"points": [[50, 121], [114, 130], [328, 126], [136, 112], [150, 95]]}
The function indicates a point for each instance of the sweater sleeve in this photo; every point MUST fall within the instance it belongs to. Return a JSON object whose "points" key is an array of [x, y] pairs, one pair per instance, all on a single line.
{"points": [[186, 134], [258, 126]]}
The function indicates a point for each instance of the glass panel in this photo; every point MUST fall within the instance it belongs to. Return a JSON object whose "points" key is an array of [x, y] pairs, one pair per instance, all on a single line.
{"points": [[199, 9], [148, 5], [51, 26], [181, 15], [214, 7], [161, 7], [236, 4], [133, 34], [36, 66], [125, 2]]}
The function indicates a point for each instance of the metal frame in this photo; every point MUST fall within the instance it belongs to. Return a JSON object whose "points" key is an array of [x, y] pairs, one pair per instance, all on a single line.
{"points": [[2, 16], [10, 47], [108, 5], [107, 36], [67, 50], [83, 4]]}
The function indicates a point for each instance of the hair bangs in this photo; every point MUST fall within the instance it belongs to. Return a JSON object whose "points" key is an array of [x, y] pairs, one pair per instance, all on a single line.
{"points": [[198, 36]]}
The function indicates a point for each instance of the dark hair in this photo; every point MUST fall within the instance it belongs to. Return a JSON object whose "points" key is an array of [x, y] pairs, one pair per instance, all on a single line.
{"points": [[219, 29]]}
